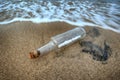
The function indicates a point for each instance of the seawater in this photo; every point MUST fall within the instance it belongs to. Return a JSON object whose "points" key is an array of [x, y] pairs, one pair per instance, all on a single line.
{"points": [[99, 13]]}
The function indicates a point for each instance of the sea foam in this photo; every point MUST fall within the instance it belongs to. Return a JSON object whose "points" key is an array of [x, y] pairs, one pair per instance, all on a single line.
{"points": [[79, 12]]}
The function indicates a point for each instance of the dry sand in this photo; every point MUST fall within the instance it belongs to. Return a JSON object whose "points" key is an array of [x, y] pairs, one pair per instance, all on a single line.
{"points": [[19, 38]]}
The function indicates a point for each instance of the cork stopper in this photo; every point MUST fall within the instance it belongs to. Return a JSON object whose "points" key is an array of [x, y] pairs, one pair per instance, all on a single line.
{"points": [[34, 54]]}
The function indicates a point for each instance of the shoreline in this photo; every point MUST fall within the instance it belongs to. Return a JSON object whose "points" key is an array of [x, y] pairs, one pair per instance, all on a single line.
{"points": [[60, 21], [19, 38]]}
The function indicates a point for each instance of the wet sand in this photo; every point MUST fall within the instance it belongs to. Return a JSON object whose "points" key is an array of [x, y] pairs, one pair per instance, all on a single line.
{"points": [[19, 38]]}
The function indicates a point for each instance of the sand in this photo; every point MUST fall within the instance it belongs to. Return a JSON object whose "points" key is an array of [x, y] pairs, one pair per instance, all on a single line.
{"points": [[19, 38]]}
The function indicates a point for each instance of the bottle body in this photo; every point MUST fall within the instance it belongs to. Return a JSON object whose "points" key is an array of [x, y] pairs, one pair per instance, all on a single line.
{"points": [[68, 37]]}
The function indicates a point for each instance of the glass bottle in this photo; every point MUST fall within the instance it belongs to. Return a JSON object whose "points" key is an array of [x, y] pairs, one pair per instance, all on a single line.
{"points": [[60, 41]]}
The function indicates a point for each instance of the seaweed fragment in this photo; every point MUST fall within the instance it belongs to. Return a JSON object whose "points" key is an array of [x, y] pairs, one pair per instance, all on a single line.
{"points": [[107, 51], [98, 53], [94, 32]]}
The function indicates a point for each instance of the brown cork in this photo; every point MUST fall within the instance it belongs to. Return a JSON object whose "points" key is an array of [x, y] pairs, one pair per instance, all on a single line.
{"points": [[33, 54]]}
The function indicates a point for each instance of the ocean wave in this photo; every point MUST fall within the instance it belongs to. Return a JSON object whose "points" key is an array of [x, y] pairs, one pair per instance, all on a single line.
{"points": [[79, 12]]}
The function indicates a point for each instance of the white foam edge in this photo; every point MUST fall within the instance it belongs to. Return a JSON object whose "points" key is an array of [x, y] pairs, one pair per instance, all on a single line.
{"points": [[46, 20]]}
